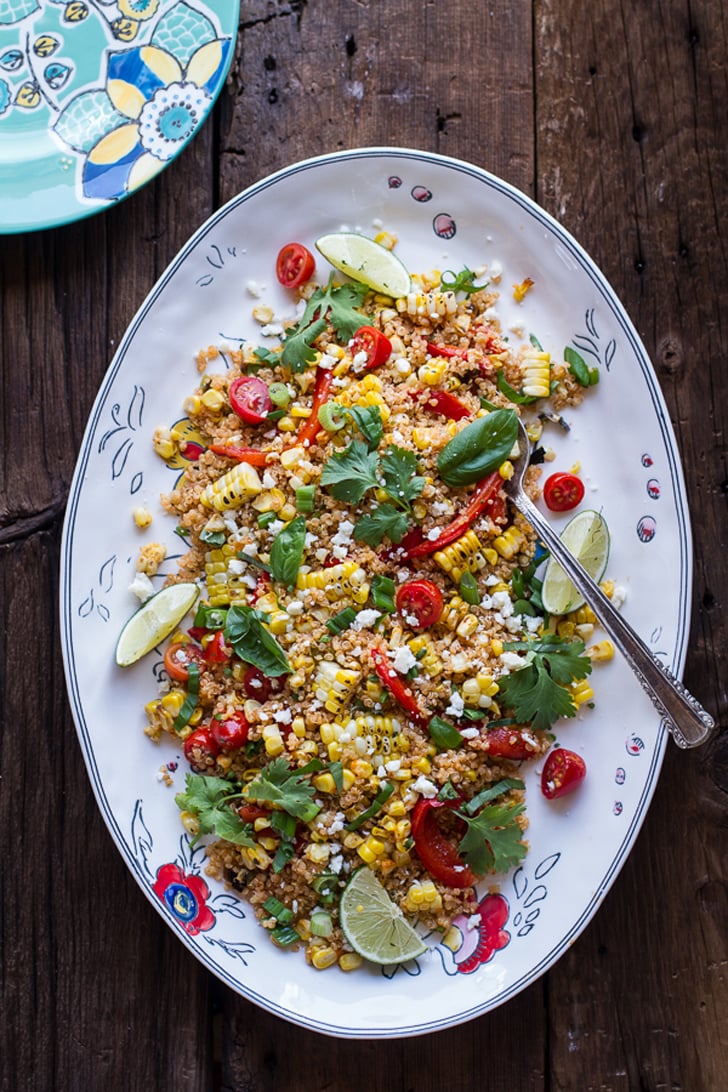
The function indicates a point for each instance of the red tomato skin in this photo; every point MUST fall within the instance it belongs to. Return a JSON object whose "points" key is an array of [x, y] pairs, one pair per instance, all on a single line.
{"points": [[563, 491], [510, 743], [231, 733], [374, 343], [420, 599], [258, 686], [249, 399], [562, 773], [436, 852], [216, 651], [178, 655], [200, 749], [294, 265]]}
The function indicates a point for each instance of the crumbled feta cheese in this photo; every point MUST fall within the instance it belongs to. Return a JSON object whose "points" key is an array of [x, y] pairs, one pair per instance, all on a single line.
{"points": [[275, 526], [327, 361], [434, 533], [469, 733], [311, 539], [618, 596], [456, 706], [336, 863], [496, 271], [512, 660], [295, 608], [142, 587], [403, 660], [502, 601], [250, 549], [268, 481], [283, 716], [425, 787], [235, 565], [393, 765], [365, 619], [473, 922], [358, 362], [272, 329], [254, 289]]}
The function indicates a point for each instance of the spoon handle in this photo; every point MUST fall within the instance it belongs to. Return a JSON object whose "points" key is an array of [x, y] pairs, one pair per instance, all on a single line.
{"points": [[686, 720]]}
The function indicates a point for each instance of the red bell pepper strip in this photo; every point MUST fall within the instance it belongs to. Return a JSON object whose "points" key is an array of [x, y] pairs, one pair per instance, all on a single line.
{"points": [[251, 455], [447, 404], [312, 426], [436, 852], [399, 691], [446, 350], [511, 743], [484, 493]]}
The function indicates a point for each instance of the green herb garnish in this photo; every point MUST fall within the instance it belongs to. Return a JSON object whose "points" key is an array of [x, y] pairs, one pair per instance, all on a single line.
{"points": [[286, 553], [252, 642], [336, 304], [479, 448], [537, 692]]}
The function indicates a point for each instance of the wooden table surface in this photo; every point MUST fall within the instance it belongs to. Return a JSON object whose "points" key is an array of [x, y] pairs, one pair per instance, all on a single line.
{"points": [[614, 118]]}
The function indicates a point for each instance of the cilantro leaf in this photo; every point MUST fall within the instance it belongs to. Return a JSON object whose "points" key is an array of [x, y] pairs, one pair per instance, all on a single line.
{"points": [[252, 642], [461, 281], [493, 840], [351, 472], [384, 522], [401, 481], [208, 799], [368, 419], [283, 787], [537, 691], [336, 304]]}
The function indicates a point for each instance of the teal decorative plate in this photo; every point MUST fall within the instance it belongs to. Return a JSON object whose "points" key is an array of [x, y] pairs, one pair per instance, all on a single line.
{"points": [[98, 96]]}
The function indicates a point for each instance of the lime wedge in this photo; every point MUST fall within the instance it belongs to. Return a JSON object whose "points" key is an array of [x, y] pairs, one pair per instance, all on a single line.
{"points": [[154, 621], [364, 260], [373, 925], [586, 536]]}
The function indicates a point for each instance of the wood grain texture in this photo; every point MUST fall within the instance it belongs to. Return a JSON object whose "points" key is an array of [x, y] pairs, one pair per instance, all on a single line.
{"points": [[614, 117]]}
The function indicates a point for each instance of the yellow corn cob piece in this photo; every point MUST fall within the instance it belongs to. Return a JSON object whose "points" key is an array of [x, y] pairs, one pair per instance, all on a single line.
{"points": [[423, 648], [232, 489], [581, 692], [454, 612], [225, 585], [434, 305], [463, 555], [509, 542], [479, 690], [371, 848], [383, 735], [536, 374], [433, 372], [345, 581], [423, 896], [334, 685]]}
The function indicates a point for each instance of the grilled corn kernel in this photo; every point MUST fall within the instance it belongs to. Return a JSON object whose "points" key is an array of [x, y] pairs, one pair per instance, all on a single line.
{"points": [[422, 765], [334, 684], [263, 314], [423, 648], [479, 690], [213, 400], [463, 555], [325, 783], [371, 849], [496, 647], [350, 961], [433, 372], [163, 443], [601, 652], [224, 576], [273, 740], [423, 896], [435, 305], [383, 735], [509, 542], [583, 616], [322, 958], [272, 500], [142, 517], [581, 692], [150, 558], [386, 239], [233, 488], [536, 374], [566, 630], [520, 290], [467, 627]]}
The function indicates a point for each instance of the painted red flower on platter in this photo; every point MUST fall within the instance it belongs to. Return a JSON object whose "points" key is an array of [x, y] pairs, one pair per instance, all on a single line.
{"points": [[186, 896], [481, 939]]}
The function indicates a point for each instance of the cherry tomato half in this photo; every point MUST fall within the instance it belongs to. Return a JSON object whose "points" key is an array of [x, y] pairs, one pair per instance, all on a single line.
{"points": [[231, 733], [294, 265], [510, 743], [216, 651], [420, 600], [258, 686], [563, 491], [373, 343], [200, 749], [438, 854], [178, 655], [249, 398], [563, 772]]}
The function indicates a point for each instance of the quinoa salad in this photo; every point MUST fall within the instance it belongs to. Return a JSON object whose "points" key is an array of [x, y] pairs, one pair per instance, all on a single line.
{"points": [[369, 668]]}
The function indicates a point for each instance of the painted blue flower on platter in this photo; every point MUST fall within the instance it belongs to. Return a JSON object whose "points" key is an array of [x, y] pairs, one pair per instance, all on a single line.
{"points": [[155, 96]]}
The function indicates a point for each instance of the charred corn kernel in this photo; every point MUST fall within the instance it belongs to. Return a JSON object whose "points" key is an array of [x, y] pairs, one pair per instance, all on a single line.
{"points": [[344, 581], [321, 958], [298, 727], [163, 443], [583, 616], [273, 740], [468, 626], [334, 685], [267, 842], [370, 383], [232, 489], [213, 400], [190, 822], [402, 830], [433, 372], [382, 735], [509, 542], [601, 652], [318, 852], [371, 848], [288, 512], [325, 783], [506, 470], [496, 647], [150, 558], [287, 424], [303, 928], [536, 367], [347, 780], [490, 555], [479, 690], [350, 961], [584, 632], [192, 404], [423, 896], [224, 576], [271, 500], [263, 314], [566, 630], [433, 304], [419, 510], [423, 438], [423, 648], [396, 808], [534, 430], [361, 769], [463, 555], [454, 612], [422, 765], [581, 692], [386, 239], [607, 587], [352, 840], [142, 517], [520, 290], [291, 457]]}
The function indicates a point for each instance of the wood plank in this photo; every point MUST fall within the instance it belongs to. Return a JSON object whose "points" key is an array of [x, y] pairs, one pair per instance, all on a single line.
{"points": [[633, 164]]}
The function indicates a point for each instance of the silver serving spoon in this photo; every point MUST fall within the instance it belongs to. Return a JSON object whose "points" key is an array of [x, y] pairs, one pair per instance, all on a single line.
{"points": [[685, 719]]}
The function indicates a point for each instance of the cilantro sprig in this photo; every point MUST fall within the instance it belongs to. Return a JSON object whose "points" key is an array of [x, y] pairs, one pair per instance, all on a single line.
{"points": [[537, 692], [493, 841], [336, 304], [281, 786], [208, 799], [461, 281]]}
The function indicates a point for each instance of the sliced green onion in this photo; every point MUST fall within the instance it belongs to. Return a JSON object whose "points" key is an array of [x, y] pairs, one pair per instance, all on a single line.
{"points": [[376, 806], [321, 924], [491, 793], [326, 886], [266, 518], [341, 621], [279, 394], [284, 935], [469, 590], [190, 703], [332, 416], [523, 606], [277, 910], [304, 498], [207, 617], [213, 538], [382, 593], [444, 735]]}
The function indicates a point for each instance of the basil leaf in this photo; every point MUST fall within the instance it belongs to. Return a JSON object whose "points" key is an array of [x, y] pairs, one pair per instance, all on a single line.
{"points": [[582, 373], [512, 394], [479, 448], [368, 419], [286, 553], [253, 643], [445, 736]]}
